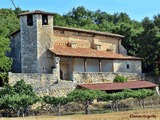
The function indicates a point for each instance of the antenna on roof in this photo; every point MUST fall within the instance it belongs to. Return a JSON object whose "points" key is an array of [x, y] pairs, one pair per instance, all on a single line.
{"points": [[13, 4]]}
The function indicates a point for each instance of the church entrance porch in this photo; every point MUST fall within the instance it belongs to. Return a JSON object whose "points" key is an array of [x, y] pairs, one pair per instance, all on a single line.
{"points": [[64, 69]]}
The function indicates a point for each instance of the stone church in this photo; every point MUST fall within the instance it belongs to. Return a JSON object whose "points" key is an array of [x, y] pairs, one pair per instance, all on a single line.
{"points": [[39, 45], [43, 54]]}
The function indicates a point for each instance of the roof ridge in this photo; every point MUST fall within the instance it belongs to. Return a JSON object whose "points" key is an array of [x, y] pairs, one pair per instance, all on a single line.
{"points": [[113, 82], [89, 31], [36, 12], [74, 29]]}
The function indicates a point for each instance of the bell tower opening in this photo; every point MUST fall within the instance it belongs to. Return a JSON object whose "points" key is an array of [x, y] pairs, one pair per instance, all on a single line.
{"points": [[44, 19], [29, 20]]}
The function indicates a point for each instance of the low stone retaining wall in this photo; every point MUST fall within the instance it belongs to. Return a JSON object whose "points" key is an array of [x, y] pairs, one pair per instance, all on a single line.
{"points": [[44, 84], [81, 77], [62, 88], [35, 79], [58, 89]]}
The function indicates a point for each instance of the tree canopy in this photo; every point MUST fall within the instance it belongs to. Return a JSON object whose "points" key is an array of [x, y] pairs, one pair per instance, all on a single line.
{"points": [[17, 97], [85, 97], [57, 101], [9, 23]]}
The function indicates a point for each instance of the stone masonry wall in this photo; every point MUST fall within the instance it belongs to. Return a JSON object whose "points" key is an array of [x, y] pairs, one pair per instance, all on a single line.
{"points": [[35, 41], [134, 66], [33, 78], [62, 88], [28, 45], [80, 77], [44, 84], [44, 42], [85, 40], [58, 89], [15, 53]]}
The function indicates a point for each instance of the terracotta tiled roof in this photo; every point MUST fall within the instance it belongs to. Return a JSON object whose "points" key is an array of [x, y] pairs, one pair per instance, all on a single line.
{"points": [[62, 50], [118, 86], [89, 31]]}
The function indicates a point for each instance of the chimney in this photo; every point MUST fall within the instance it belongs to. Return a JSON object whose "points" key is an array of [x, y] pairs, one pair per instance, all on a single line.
{"points": [[73, 45], [97, 46]]}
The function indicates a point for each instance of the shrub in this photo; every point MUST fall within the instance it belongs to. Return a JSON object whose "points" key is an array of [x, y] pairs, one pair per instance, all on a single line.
{"points": [[119, 78]]}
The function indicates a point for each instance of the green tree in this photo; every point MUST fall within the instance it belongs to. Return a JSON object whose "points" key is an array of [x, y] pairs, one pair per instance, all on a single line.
{"points": [[114, 98], [16, 102], [149, 42], [141, 94], [5, 62], [57, 101], [9, 23], [21, 87], [85, 97], [17, 97]]}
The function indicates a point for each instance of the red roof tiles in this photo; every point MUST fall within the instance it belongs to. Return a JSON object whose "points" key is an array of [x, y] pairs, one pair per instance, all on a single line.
{"points": [[62, 50], [118, 86]]}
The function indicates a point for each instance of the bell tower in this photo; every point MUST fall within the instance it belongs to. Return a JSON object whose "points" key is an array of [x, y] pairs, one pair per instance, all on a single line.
{"points": [[36, 31]]}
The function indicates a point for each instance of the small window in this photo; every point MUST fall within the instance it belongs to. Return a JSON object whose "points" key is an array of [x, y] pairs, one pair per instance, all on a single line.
{"points": [[127, 66], [29, 20], [20, 56], [44, 19]]}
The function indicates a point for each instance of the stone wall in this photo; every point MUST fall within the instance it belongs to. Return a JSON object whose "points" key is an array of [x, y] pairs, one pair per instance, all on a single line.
{"points": [[90, 77], [44, 42], [58, 89], [15, 53], [85, 40], [44, 84], [35, 79], [28, 45], [127, 66], [62, 88]]}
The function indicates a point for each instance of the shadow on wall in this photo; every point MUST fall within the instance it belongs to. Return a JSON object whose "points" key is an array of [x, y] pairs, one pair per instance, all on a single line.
{"points": [[61, 75], [46, 62]]}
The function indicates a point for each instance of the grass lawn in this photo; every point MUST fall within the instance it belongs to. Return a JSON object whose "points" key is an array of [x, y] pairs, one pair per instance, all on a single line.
{"points": [[148, 114]]}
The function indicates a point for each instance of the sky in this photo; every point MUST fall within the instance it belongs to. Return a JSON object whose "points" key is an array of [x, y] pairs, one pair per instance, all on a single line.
{"points": [[136, 9]]}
